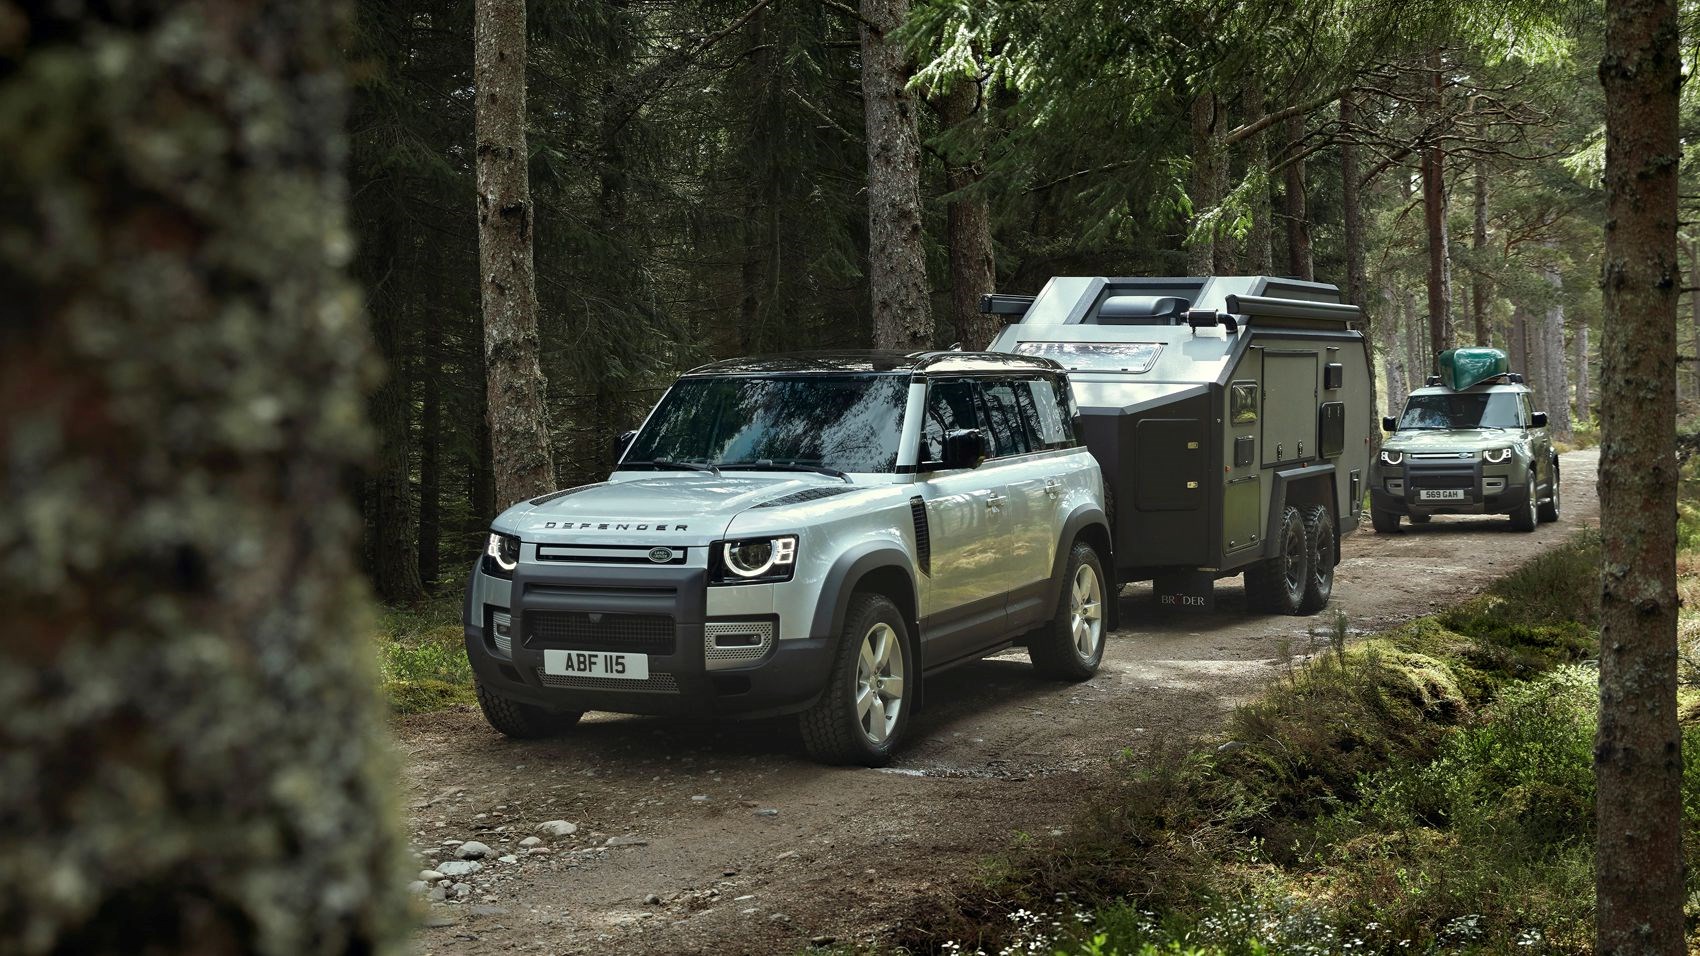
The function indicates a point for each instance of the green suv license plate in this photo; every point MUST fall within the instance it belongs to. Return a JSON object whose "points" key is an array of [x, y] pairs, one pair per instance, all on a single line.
{"points": [[1440, 494], [596, 664]]}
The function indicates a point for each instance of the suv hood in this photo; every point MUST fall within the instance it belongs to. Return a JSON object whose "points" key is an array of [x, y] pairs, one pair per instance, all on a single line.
{"points": [[674, 508], [1438, 440]]}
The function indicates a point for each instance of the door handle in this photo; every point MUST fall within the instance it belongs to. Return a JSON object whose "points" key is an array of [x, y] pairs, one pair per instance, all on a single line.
{"points": [[994, 502], [1053, 487]]}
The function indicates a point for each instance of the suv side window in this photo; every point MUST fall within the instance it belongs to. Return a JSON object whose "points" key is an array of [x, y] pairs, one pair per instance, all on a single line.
{"points": [[950, 405], [1525, 417], [1009, 431], [1041, 398]]}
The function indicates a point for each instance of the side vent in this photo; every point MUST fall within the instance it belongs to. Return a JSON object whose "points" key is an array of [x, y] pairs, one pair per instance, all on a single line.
{"points": [[551, 496], [923, 534]]}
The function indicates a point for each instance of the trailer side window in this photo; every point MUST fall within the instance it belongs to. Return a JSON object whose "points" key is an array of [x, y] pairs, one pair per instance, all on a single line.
{"points": [[1243, 407]]}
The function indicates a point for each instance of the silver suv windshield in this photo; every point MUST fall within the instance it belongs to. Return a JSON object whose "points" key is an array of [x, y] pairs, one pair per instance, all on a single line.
{"points": [[827, 423], [1490, 410]]}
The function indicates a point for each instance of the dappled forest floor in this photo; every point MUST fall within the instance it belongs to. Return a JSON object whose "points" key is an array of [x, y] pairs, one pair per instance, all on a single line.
{"points": [[699, 837]]}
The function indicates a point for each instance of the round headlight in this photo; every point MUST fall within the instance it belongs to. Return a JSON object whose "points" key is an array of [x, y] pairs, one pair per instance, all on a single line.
{"points": [[756, 557], [1392, 457], [1496, 455], [504, 550]]}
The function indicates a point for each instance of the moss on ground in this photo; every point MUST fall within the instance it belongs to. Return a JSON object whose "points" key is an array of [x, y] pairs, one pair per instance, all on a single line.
{"points": [[422, 657]]}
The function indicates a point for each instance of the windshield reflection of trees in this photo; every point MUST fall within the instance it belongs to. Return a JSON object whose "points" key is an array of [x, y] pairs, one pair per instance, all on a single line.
{"points": [[1498, 410], [851, 423]]}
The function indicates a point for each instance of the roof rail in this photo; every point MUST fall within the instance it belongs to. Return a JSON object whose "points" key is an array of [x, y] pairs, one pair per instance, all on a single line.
{"points": [[1011, 307], [1290, 308]]}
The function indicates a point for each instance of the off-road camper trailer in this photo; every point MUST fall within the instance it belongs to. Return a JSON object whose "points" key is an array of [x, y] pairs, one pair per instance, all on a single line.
{"points": [[1231, 416]]}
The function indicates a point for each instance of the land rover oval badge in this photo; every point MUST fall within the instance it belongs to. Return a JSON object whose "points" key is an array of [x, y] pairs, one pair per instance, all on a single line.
{"points": [[661, 555]]}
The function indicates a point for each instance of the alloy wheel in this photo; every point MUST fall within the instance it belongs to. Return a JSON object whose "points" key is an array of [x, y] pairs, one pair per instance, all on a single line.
{"points": [[1086, 618], [879, 682]]}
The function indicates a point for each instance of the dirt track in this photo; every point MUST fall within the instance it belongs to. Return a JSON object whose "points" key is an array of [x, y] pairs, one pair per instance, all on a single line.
{"points": [[996, 752]]}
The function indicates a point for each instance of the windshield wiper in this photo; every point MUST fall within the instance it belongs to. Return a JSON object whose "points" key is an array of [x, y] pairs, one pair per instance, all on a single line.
{"points": [[685, 465], [768, 465]]}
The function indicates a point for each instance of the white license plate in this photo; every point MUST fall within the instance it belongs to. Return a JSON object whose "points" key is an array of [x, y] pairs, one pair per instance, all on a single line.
{"points": [[596, 664], [1440, 494]]}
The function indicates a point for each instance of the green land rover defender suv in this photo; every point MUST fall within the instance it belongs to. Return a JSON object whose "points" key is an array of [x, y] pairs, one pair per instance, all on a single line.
{"points": [[1480, 450]]}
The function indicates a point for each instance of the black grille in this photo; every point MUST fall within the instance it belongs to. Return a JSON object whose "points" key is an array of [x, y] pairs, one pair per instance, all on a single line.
{"points": [[1466, 480], [923, 534], [586, 631]]}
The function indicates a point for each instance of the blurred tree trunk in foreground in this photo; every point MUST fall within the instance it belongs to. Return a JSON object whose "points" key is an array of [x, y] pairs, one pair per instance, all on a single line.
{"points": [[897, 262], [1637, 748], [192, 748]]}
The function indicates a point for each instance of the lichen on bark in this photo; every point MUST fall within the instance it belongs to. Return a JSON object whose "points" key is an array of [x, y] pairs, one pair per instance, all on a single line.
{"points": [[192, 756]]}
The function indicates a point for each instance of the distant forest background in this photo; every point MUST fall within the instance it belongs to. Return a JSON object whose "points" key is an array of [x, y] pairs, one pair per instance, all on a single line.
{"points": [[700, 170]]}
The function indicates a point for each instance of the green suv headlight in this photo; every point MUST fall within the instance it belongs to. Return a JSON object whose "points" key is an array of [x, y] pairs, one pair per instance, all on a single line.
{"points": [[750, 560], [1392, 457], [1496, 455]]}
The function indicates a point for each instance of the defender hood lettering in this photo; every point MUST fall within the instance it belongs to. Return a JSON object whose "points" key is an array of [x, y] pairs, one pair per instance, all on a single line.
{"points": [[667, 508]]}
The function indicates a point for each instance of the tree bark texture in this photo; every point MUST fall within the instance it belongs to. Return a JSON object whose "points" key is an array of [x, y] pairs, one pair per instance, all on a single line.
{"points": [[1299, 260], [1584, 391], [1392, 357], [1356, 280], [1439, 247], [1637, 749], [1694, 310], [1259, 239], [1556, 387], [897, 262], [394, 559], [972, 269], [191, 731], [1518, 343], [522, 462], [1478, 247], [1209, 169], [1418, 362], [430, 452]]}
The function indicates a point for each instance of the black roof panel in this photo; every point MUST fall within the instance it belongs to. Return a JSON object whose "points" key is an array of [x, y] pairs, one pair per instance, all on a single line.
{"points": [[875, 360]]}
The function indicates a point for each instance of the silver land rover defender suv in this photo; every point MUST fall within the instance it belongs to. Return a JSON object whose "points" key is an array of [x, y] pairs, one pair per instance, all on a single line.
{"points": [[809, 534]]}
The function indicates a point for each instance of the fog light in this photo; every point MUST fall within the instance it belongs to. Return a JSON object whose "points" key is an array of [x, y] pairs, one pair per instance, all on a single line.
{"points": [[502, 624], [1395, 486]]}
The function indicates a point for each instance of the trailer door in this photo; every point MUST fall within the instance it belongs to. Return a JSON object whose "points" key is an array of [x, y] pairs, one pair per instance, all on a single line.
{"points": [[1289, 406]]}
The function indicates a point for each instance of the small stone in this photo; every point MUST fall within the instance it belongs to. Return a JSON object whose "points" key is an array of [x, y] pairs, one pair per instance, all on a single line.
{"points": [[509, 858], [557, 828], [486, 910], [430, 876], [439, 922], [626, 841], [472, 850], [746, 896], [530, 842], [700, 798], [459, 867], [460, 891], [767, 812], [779, 918], [652, 900], [750, 912], [418, 886], [729, 873], [822, 940], [537, 851], [438, 895], [787, 855]]}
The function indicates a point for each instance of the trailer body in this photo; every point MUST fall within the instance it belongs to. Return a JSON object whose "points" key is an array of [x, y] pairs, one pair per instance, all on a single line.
{"points": [[1211, 404]]}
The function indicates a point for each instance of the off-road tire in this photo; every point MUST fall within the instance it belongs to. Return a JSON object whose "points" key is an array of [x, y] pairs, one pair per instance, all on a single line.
{"points": [[1323, 552], [832, 729], [1548, 511], [1385, 522], [1525, 518], [1053, 648], [1277, 585], [522, 721]]}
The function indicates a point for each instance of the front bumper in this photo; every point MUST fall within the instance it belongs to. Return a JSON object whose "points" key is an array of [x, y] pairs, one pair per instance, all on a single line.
{"points": [[1485, 489], [656, 611]]}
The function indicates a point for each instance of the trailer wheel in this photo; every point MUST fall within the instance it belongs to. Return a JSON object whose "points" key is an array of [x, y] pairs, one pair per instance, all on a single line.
{"points": [[1323, 555], [1277, 585]]}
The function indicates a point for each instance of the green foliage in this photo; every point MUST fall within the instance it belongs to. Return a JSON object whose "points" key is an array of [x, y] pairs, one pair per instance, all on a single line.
{"points": [[1425, 787], [422, 658]]}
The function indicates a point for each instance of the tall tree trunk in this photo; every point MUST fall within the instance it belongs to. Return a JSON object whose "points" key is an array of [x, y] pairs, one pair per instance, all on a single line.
{"points": [[1418, 364], [1638, 747], [1259, 253], [394, 560], [191, 720], [1205, 185], [430, 449], [1478, 248], [1517, 342], [1394, 361], [1434, 220], [1356, 289], [1694, 311], [1299, 260], [1557, 384], [970, 220], [897, 263], [522, 460], [1584, 394]]}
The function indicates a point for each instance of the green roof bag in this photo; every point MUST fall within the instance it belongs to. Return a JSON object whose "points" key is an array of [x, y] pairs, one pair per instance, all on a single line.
{"points": [[1462, 368]]}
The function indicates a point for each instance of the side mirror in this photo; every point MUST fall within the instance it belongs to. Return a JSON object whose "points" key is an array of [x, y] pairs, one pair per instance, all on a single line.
{"points": [[1538, 420], [1389, 423], [964, 448], [621, 443]]}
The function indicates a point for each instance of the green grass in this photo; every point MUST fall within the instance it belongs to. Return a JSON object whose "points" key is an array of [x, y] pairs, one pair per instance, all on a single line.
{"points": [[1426, 789], [422, 657]]}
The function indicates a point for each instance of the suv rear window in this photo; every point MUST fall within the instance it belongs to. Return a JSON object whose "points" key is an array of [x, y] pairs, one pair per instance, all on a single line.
{"points": [[848, 422]]}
